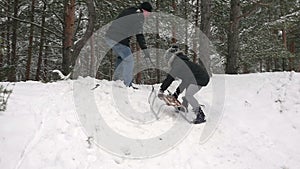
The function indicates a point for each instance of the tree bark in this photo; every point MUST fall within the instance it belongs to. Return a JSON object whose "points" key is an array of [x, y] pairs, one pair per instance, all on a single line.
{"points": [[45, 61], [41, 47], [29, 57], [88, 33], [69, 21], [2, 46], [157, 45], [92, 60], [111, 63], [233, 38], [195, 47], [205, 17], [205, 28], [291, 59], [14, 57], [174, 6], [284, 40], [8, 30], [186, 27]]}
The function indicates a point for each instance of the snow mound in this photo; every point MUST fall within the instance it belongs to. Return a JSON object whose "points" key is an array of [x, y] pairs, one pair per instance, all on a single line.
{"points": [[59, 125]]}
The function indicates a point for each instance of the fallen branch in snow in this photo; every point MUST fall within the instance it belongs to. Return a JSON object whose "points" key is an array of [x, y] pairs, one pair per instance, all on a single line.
{"points": [[61, 75]]}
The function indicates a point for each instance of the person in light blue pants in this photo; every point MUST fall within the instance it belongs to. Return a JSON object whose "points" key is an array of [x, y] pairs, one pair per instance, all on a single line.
{"points": [[124, 62], [127, 24]]}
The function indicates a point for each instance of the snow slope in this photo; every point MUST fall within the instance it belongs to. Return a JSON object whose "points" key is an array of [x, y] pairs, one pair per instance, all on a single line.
{"points": [[256, 126]]}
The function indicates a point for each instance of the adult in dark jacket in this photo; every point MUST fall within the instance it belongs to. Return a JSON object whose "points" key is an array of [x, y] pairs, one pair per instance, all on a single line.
{"points": [[193, 77], [128, 23]]}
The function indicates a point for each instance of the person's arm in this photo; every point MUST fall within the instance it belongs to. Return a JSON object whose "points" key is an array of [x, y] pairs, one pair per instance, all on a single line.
{"points": [[140, 30], [166, 83], [142, 43], [141, 40], [170, 78], [179, 89]]}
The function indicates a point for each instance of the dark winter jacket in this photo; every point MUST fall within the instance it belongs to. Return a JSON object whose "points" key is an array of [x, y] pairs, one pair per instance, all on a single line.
{"points": [[187, 71], [129, 23]]}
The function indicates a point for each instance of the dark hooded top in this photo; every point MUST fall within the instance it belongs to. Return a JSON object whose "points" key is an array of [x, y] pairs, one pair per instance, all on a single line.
{"points": [[189, 72], [129, 23]]}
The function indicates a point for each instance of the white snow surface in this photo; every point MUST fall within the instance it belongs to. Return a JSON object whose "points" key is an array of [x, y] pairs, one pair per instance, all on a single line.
{"points": [[259, 126]]}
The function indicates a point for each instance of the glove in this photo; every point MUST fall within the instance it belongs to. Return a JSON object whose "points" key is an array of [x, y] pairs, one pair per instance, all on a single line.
{"points": [[147, 57], [160, 93], [175, 95], [146, 53]]}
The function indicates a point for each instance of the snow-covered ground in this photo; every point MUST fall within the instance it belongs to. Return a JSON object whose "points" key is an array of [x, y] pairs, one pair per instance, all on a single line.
{"points": [[253, 121]]}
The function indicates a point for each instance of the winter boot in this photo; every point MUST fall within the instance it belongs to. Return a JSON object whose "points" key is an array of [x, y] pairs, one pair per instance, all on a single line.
{"points": [[200, 116]]}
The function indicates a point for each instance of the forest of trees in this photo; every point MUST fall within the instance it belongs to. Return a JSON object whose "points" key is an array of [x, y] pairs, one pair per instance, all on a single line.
{"points": [[38, 36]]}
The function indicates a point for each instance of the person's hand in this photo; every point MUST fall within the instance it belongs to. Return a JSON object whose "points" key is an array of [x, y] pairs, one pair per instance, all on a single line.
{"points": [[147, 57]]}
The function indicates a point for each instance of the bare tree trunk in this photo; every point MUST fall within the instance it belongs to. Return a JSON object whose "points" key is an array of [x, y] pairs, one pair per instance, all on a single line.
{"points": [[205, 17], [92, 60], [174, 5], [276, 63], [7, 35], [233, 38], [186, 26], [111, 70], [291, 59], [41, 47], [2, 46], [69, 22], [29, 57], [14, 57], [45, 67], [260, 65], [268, 64], [205, 28], [88, 33], [195, 48], [284, 40], [71, 52]]}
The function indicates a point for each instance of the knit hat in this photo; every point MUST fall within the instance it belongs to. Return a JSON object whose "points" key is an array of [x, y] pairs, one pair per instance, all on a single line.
{"points": [[146, 6]]}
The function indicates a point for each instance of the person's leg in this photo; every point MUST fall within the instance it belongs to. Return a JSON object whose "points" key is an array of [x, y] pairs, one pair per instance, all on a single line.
{"points": [[118, 69], [128, 65], [189, 96], [183, 86], [191, 90], [125, 63]]}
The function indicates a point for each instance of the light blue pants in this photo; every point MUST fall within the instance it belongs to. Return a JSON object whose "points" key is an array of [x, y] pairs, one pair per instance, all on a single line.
{"points": [[124, 62], [191, 90]]}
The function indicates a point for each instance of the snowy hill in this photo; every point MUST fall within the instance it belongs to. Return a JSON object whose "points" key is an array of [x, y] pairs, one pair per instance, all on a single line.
{"points": [[253, 122]]}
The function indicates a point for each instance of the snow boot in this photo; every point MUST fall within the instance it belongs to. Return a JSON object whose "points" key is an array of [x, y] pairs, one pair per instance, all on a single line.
{"points": [[135, 88], [200, 116]]}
